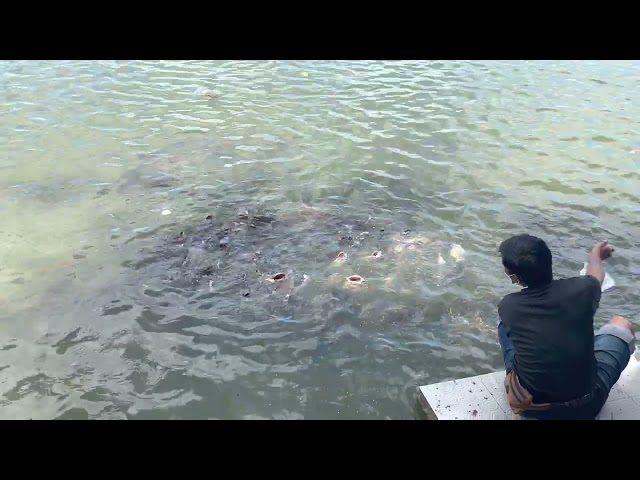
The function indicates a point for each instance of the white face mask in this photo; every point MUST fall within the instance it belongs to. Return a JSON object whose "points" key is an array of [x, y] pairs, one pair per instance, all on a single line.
{"points": [[514, 280]]}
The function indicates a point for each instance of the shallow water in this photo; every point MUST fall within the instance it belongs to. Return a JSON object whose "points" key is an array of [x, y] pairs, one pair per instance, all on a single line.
{"points": [[107, 315]]}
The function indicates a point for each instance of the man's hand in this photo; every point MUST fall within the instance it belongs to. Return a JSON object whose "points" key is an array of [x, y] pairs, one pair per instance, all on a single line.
{"points": [[602, 250]]}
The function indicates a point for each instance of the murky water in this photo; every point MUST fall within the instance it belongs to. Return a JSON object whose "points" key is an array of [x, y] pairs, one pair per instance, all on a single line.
{"points": [[108, 312]]}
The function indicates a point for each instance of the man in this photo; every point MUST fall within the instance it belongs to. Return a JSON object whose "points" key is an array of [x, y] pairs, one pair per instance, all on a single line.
{"points": [[556, 367]]}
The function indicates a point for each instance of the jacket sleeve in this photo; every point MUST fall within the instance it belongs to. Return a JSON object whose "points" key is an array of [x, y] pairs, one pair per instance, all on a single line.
{"points": [[593, 292]]}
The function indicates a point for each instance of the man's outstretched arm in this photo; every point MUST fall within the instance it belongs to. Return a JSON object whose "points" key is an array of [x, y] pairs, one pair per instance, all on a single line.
{"points": [[595, 267]]}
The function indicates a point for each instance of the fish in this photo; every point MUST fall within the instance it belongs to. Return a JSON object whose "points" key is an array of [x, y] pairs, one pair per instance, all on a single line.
{"points": [[457, 252]]}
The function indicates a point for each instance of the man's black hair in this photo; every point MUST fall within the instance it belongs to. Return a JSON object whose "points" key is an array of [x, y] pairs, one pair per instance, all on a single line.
{"points": [[529, 258]]}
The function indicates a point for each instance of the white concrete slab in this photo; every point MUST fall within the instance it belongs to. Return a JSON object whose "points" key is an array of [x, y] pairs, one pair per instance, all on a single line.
{"points": [[483, 398], [621, 409], [630, 379], [462, 399]]}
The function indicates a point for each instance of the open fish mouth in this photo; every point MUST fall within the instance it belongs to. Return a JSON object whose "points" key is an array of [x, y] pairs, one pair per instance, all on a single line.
{"points": [[355, 280], [278, 278]]}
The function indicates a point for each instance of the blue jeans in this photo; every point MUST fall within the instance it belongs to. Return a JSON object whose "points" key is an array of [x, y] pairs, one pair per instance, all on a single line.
{"points": [[613, 346]]}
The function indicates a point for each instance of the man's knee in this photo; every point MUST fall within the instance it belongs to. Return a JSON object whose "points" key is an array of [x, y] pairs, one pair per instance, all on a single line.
{"points": [[622, 322], [621, 328]]}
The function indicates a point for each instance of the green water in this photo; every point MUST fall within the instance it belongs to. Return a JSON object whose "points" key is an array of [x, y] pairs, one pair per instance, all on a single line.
{"points": [[464, 152]]}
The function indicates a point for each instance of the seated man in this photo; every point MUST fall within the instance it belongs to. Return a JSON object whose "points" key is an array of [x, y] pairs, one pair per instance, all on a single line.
{"points": [[556, 368]]}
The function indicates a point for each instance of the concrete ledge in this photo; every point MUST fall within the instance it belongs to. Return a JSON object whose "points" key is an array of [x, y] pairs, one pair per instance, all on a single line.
{"points": [[483, 398]]}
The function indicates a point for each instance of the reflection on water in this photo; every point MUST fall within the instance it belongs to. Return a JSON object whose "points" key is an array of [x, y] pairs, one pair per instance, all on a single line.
{"points": [[143, 219]]}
